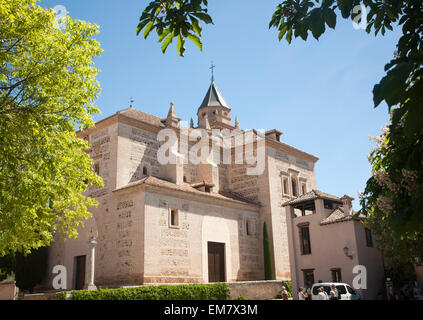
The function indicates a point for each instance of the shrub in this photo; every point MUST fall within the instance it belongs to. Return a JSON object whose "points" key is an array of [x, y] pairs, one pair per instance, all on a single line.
{"points": [[241, 298], [217, 291], [288, 288]]}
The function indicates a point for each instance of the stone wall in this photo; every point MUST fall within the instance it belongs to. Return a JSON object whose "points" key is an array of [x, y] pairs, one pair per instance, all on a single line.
{"points": [[8, 290], [255, 290], [179, 254]]}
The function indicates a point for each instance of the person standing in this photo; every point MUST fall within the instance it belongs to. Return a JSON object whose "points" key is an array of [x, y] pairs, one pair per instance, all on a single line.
{"points": [[301, 294], [284, 293], [333, 295], [333, 288], [308, 292], [322, 294]]}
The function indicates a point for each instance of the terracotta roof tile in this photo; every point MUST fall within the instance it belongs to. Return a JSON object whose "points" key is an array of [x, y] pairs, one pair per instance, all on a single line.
{"points": [[158, 182], [338, 215], [312, 195], [141, 116]]}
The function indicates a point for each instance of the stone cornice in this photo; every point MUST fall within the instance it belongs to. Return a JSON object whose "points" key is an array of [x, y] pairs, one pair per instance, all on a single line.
{"points": [[291, 150]]}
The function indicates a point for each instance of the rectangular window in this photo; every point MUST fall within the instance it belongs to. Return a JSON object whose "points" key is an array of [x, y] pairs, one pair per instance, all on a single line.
{"points": [[174, 218], [285, 186], [305, 240], [369, 240], [303, 188], [336, 275], [308, 278], [97, 168], [248, 228], [294, 187]]}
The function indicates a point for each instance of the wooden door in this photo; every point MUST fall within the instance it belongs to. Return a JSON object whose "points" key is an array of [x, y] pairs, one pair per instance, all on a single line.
{"points": [[80, 272], [216, 258]]}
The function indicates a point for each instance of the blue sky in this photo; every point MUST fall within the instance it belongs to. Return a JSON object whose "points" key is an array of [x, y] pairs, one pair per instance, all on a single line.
{"points": [[319, 93]]}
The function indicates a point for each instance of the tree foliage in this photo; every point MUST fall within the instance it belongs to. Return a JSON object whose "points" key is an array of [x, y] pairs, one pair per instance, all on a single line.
{"points": [[47, 88], [393, 198], [178, 19]]}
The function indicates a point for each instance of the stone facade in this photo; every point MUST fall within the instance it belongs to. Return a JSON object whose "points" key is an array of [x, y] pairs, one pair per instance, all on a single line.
{"points": [[137, 242]]}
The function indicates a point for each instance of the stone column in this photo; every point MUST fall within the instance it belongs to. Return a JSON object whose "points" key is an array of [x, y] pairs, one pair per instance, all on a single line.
{"points": [[91, 260]]}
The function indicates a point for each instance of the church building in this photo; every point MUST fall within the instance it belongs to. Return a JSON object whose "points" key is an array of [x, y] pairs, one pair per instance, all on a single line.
{"points": [[181, 222]]}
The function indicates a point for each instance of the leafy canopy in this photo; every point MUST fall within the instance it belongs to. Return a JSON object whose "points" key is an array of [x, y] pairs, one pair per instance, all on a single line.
{"points": [[47, 88], [393, 196], [175, 19]]}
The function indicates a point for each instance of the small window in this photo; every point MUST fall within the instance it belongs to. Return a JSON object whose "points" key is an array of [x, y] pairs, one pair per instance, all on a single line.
{"points": [[185, 179], [285, 186], [207, 189], [174, 218], [248, 228], [308, 278], [294, 187], [303, 188], [97, 168], [369, 240], [336, 275], [305, 240], [145, 171]]}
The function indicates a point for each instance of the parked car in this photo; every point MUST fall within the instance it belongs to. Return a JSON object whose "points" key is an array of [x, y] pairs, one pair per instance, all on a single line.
{"points": [[345, 291]]}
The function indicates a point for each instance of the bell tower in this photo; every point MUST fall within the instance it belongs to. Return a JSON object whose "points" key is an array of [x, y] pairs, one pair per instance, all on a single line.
{"points": [[214, 108]]}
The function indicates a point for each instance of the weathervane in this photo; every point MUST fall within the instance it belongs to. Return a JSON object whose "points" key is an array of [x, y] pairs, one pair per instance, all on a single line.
{"points": [[131, 101], [212, 70]]}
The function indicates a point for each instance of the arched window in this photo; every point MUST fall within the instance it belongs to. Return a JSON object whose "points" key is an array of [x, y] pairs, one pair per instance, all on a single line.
{"points": [[145, 171]]}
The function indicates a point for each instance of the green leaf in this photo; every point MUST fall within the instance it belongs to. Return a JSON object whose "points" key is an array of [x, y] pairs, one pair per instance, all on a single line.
{"points": [[289, 36], [345, 6], [282, 32], [317, 24], [167, 42], [196, 40], [331, 19], [148, 29], [163, 34], [196, 26], [141, 25], [203, 17], [180, 45]]}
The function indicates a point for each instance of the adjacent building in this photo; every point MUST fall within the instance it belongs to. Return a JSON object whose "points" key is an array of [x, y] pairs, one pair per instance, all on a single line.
{"points": [[327, 241]]}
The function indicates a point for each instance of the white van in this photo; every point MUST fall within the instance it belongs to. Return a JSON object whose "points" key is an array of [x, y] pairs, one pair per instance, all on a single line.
{"points": [[345, 291]]}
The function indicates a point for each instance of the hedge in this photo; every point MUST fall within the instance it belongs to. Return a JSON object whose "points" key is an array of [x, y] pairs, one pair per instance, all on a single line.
{"points": [[216, 291]]}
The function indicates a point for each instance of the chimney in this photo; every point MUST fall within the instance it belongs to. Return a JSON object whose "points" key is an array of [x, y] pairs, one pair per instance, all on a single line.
{"points": [[274, 135], [347, 204]]}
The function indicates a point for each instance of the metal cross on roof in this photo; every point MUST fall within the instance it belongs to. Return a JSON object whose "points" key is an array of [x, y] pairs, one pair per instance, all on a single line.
{"points": [[132, 101], [212, 70]]}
